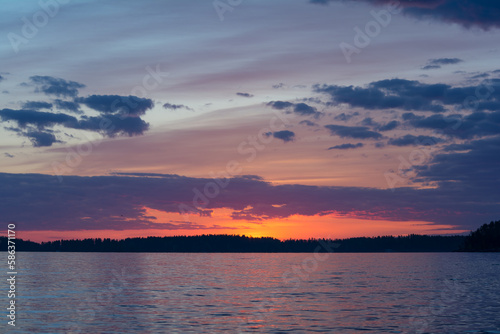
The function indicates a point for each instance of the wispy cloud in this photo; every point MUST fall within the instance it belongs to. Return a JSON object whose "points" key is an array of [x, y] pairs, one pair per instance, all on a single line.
{"points": [[244, 94], [346, 146], [437, 63], [55, 86], [484, 14]]}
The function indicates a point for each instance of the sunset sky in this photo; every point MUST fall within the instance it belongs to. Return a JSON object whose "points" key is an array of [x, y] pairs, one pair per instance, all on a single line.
{"points": [[296, 118]]}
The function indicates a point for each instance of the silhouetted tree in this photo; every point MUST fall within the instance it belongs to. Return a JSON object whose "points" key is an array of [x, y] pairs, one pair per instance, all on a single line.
{"points": [[484, 239]]}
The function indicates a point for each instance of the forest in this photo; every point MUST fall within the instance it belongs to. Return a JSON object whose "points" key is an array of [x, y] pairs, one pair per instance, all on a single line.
{"points": [[236, 243], [484, 239]]}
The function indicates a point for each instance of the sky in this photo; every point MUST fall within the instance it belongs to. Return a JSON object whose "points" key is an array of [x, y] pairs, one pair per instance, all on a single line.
{"points": [[289, 119]]}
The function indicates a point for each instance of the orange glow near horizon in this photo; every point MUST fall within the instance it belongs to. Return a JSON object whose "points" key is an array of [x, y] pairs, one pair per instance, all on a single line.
{"points": [[296, 227]]}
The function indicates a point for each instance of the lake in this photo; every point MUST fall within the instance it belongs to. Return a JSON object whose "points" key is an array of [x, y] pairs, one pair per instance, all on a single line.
{"points": [[261, 293]]}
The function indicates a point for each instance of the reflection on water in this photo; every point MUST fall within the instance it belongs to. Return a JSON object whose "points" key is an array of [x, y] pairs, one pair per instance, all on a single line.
{"points": [[271, 293]]}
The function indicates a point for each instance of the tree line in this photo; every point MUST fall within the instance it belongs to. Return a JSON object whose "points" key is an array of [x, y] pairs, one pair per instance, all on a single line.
{"points": [[235, 243], [484, 239]]}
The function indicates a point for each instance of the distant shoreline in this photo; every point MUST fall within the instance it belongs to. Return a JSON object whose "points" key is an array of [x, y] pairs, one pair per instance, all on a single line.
{"points": [[233, 252], [243, 244], [485, 239]]}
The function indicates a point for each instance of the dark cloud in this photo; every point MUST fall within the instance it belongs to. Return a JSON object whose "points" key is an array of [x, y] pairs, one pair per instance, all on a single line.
{"points": [[480, 76], [244, 94], [411, 140], [109, 125], [176, 106], [117, 202], [308, 123], [313, 100], [251, 177], [389, 126], [280, 85], [484, 14], [385, 94], [345, 146], [40, 138], [302, 109], [284, 135], [8, 155], [2, 78], [409, 116], [470, 167], [437, 63], [119, 115], [116, 104], [305, 110], [445, 61], [368, 121], [68, 105], [55, 86], [431, 67], [96, 211], [280, 105], [359, 132], [112, 125], [36, 105], [435, 122], [38, 119], [414, 95], [477, 124], [345, 117]]}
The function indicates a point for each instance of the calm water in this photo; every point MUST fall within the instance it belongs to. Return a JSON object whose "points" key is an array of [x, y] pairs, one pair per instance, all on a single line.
{"points": [[269, 293]]}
